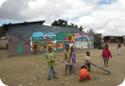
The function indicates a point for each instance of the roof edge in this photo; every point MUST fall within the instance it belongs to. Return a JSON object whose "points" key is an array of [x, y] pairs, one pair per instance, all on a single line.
{"points": [[23, 23]]}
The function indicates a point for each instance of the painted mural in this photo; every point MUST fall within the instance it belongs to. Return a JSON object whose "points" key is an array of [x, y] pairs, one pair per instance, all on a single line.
{"points": [[83, 41], [42, 41], [50, 36], [59, 40], [38, 42]]}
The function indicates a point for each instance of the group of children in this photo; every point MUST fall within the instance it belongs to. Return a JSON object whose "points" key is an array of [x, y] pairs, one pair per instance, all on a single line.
{"points": [[70, 62]]}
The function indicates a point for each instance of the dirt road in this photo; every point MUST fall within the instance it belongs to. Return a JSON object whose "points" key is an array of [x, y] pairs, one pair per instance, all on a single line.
{"points": [[32, 70]]}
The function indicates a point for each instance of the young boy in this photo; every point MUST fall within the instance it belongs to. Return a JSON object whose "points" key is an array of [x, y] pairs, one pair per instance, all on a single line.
{"points": [[51, 62], [87, 60], [67, 60], [84, 74], [106, 54]]}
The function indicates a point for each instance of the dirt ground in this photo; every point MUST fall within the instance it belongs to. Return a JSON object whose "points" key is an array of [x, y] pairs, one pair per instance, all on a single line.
{"points": [[32, 70]]}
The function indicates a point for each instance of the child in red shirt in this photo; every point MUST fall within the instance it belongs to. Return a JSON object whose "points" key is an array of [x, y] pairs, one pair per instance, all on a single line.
{"points": [[106, 54]]}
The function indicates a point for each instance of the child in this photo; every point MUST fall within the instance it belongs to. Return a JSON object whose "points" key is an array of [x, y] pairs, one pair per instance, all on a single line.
{"points": [[84, 74], [73, 58], [68, 66], [119, 48], [51, 62], [87, 60], [106, 54]]}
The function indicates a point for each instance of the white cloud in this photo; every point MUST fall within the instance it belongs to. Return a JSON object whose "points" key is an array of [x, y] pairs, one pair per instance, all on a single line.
{"points": [[37, 4], [1, 2], [122, 2], [109, 19], [105, 18], [51, 10]]}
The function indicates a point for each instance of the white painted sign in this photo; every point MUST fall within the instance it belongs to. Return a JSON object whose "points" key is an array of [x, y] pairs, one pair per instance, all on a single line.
{"points": [[81, 45]]}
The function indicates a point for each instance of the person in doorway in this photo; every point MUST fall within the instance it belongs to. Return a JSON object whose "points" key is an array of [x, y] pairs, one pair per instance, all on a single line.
{"points": [[35, 48]]}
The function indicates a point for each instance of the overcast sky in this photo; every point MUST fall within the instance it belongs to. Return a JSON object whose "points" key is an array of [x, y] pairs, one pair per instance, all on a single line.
{"points": [[105, 16]]}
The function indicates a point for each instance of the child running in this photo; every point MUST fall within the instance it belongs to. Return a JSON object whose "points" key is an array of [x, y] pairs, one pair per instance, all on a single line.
{"points": [[106, 54], [51, 62], [87, 60], [84, 74]]}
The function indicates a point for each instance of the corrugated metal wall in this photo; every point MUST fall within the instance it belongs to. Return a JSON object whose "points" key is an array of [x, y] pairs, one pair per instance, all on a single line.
{"points": [[19, 37]]}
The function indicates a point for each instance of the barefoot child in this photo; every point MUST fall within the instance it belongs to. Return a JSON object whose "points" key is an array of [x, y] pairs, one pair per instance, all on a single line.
{"points": [[51, 62], [84, 74], [67, 60], [73, 58], [87, 60], [106, 54]]}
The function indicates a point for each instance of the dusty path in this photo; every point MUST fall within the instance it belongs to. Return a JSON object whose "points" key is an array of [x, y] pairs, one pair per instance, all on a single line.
{"points": [[32, 70]]}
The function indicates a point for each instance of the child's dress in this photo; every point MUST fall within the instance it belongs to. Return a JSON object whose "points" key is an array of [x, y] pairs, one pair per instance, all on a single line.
{"points": [[67, 57], [106, 54], [73, 59]]}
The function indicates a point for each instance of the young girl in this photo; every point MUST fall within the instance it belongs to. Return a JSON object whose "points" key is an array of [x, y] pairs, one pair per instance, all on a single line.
{"points": [[51, 62], [87, 60], [106, 54], [67, 60], [73, 58]]}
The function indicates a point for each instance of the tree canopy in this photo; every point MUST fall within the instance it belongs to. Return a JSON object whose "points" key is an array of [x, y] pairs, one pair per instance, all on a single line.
{"points": [[64, 23]]}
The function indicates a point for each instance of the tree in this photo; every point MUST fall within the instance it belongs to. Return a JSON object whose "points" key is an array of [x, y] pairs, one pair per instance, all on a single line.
{"points": [[3, 30], [59, 22], [91, 31], [73, 26], [81, 28]]}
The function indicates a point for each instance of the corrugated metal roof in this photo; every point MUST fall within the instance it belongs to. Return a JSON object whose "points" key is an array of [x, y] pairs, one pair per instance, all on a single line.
{"points": [[23, 23], [34, 27]]}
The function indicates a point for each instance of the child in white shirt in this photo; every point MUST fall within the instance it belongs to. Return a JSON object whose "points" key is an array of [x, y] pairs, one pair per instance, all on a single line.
{"points": [[87, 60]]}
